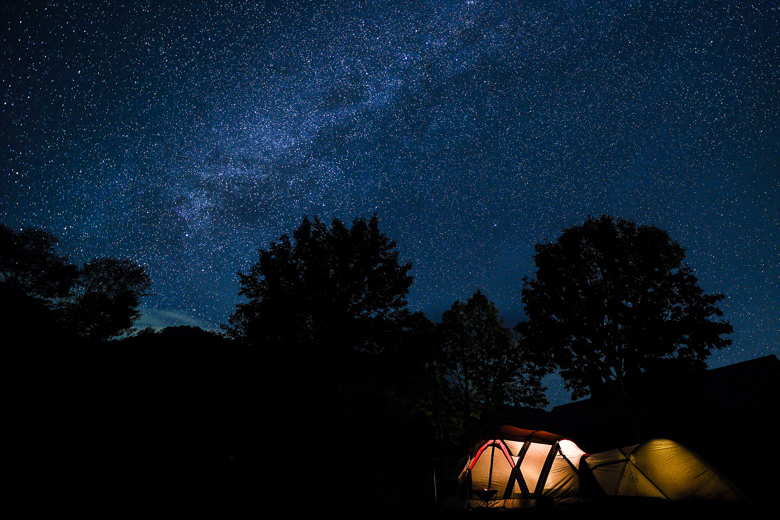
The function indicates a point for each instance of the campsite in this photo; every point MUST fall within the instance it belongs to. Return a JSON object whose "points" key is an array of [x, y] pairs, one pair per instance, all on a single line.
{"points": [[309, 402], [391, 258], [526, 470], [165, 452], [658, 477]]}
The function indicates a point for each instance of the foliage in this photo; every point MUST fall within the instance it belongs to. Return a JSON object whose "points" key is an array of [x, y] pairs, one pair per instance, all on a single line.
{"points": [[327, 328], [612, 302], [327, 287], [104, 300], [28, 260], [483, 360], [97, 301]]}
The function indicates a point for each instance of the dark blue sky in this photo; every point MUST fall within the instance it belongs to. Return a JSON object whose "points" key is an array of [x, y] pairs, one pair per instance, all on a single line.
{"points": [[185, 135]]}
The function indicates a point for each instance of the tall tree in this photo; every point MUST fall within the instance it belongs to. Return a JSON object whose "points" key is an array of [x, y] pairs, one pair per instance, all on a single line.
{"points": [[326, 287], [323, 309], [612, 302], [484, 362]]}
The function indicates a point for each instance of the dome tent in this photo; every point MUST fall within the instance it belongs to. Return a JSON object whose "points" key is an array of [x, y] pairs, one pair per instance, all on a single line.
{"points": [[516, 468], [659, 468]]}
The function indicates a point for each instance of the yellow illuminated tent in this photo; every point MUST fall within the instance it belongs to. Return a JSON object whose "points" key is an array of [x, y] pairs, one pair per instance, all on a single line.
{"points": [[659, 468], [516, 468]]}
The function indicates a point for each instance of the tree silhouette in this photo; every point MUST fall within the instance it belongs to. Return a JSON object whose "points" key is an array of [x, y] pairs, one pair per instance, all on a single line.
{"points": [[28, 261], [335, 346], [97, 301], [103, 301], [333, 287], [612, 302], [484, 362]]}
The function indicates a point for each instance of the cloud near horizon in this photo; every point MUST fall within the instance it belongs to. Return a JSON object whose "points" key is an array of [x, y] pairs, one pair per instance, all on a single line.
{"points": [[160, 319]]}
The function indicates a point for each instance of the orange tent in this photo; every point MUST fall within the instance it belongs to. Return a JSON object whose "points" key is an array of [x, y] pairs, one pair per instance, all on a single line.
{"points": [[516, 468]]}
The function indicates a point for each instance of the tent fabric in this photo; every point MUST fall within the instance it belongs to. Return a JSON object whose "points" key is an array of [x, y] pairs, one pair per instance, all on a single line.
{"points": [[659, 468], [515, 468], [518, 434]]}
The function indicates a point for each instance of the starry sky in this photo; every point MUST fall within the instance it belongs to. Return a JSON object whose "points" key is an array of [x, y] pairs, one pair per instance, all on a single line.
{"points": [[185, 135]]}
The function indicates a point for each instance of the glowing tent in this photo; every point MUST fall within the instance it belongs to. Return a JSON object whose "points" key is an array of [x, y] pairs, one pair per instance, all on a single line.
{"points": [[516, 468], [659, 468]]}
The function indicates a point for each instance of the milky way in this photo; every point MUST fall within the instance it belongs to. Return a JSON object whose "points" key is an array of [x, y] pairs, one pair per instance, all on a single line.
{"points": [[185, 135]]}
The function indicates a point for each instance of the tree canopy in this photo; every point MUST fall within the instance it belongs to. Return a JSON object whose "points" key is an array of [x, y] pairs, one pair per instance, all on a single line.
{"points": [[612, 301], [29, 261], [98, 301], [324, 287], [482, 356], [483, 360], [104, 298]]}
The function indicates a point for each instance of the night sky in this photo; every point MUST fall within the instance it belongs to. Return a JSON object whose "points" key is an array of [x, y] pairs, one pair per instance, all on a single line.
{"points": [[185, 135]]}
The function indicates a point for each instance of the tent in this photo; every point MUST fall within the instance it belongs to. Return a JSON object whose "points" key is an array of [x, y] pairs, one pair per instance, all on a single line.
{"points": [[659, 468], [516, 468]]}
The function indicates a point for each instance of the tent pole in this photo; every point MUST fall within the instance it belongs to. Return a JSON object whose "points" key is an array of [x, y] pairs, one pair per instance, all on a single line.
{"points": [[435, 490], [492, 456]]}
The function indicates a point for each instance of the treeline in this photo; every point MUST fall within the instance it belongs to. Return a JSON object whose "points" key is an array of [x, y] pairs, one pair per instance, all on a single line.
{"points": [[324, 390]]}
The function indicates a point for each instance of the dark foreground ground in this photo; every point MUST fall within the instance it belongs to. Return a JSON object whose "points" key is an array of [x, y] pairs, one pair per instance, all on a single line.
{"points": [[293, 508], [619, 509]]}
